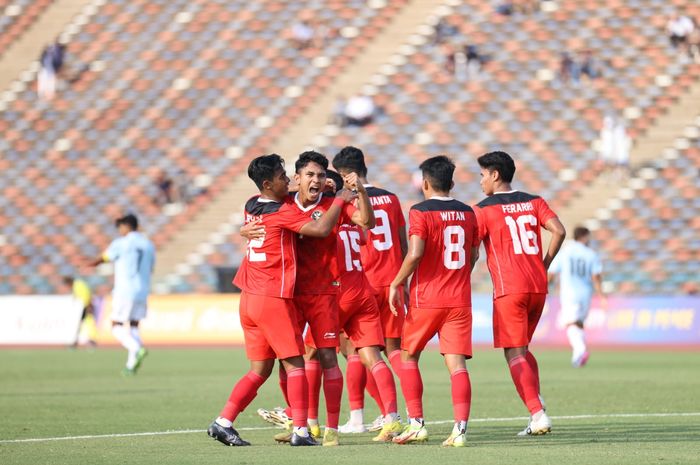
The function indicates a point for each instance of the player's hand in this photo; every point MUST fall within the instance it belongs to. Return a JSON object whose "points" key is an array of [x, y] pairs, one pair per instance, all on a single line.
{"points": [[352, 181], [347, 195], [253, 230], [395, 300]]}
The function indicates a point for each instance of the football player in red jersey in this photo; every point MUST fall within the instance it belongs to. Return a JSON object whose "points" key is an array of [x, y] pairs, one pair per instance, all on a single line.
{"points": [[360, 322], [315, 295], [267, 313], [510, 225], [381, 259], [443, 247]]}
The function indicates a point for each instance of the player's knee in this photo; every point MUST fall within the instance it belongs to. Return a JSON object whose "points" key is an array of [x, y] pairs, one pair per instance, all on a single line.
{"points": [[328, 358]]}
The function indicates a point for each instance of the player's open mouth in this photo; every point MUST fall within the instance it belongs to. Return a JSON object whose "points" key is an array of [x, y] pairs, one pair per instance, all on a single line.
{"points": [[314, 190]]}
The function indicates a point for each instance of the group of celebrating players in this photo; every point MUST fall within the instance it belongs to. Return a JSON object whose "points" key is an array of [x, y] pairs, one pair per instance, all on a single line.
{"points": [[334, 258]]}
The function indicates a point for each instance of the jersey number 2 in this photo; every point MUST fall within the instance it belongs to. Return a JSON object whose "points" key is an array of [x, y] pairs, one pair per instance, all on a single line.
{"points": [[524, 240], [254, 256]]}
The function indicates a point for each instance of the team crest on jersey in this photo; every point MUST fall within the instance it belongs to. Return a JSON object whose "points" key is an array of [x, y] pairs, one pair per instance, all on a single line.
{"points": [[317, 214]]}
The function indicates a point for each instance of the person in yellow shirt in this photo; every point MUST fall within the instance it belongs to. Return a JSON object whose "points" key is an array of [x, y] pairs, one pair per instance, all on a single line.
{"points": [[82, 293]]}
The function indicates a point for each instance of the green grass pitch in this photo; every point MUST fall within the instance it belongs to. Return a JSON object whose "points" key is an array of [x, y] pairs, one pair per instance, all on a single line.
{"points": [[63, 393]]}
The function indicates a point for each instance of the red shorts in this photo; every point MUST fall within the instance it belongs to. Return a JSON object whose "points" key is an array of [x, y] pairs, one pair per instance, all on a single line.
{"points": [[391, 325], [359, 319], [320, 311], [515, 318], [269, 327], [452, 325]]}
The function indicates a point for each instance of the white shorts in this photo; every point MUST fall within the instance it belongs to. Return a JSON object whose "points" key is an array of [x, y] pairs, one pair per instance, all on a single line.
{"points": [[125, 309], [573, 311]]}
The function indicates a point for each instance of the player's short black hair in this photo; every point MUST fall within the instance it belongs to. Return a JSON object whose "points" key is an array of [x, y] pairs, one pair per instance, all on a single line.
{"points": [[310, 157], [337, 179], [264, 168], [498, 161], [352, 159], [68, 280], [129, 220], [580, 232], [438, 171]]}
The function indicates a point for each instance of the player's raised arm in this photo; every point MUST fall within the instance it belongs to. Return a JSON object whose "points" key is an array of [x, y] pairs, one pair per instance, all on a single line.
{"points": [[324, 226], [364, 216], [416, 248], [554, 226]]}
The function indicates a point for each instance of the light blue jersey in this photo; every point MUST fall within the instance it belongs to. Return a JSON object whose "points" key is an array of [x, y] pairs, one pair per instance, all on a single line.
{"points": [[576, 265], [134, 257]]}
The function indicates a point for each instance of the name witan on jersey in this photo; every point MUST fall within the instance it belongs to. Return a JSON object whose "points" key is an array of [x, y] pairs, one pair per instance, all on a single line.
{"points": [[518, 207], [452, 216], [381, 200]]}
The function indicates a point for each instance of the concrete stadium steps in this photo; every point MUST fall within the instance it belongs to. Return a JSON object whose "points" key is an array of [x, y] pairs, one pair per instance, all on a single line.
{"points": [[26, 50], [650, 146], [297, 138]]}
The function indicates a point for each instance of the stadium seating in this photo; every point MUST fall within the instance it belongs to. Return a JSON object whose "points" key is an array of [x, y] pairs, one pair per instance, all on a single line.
{"points": [[517, 103], [191, 86], [650, 242], [200, 87], [16, 17]]}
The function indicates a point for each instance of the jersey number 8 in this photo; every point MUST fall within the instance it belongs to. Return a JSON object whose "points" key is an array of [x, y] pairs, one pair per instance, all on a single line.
{"points": [[453, 247]]}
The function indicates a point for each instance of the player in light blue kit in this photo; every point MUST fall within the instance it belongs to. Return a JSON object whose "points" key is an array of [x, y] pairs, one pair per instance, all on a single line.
{"points": [[580, 274], [133, 256]]}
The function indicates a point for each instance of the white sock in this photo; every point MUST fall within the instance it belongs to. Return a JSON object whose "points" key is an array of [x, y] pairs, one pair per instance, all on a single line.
{"points": [[357, 417], [312, 421], [301, 431], [123, 335], [136, 335], [417, 421], [460, 427], [391, 417], [576, 339], [537, 415], [226, 423]]}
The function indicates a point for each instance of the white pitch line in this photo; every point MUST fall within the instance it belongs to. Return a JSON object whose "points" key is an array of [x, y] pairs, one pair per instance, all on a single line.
{"points": [[439, 422]]}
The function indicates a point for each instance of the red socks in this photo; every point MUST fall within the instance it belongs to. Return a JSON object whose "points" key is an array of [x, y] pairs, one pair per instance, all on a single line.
{"points": [[396, 362], [387, 388], [373, 391], [298, 393], [356, 378], [242, 394], [283, 387], [412, 388], [461, 395], [526, 383], [333, 392], [532, 361], [313, 377]]}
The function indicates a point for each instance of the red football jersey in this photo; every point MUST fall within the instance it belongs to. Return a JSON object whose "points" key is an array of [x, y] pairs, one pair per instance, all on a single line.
{"points": [[270, 265], [381, 256], [449, 230], [510, 226], [317, 271], [353, 281]]}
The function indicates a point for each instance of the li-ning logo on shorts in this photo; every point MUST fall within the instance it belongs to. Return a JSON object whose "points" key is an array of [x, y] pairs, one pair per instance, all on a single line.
{"points": [[317, 214], [329, 336]]}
